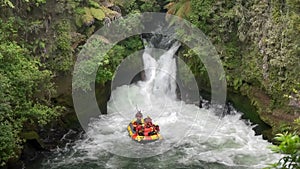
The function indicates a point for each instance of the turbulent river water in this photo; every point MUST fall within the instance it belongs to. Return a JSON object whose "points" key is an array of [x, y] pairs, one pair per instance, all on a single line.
{"points": [[193, 137]]}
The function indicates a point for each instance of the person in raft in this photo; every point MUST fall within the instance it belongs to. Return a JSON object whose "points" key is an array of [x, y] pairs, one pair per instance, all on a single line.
{"points": [[138, 123], [144, 127], [149, 127]]}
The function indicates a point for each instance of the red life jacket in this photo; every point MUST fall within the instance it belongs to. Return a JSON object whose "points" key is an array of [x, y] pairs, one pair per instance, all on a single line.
{"points": [[147, 130], [137, 126]]}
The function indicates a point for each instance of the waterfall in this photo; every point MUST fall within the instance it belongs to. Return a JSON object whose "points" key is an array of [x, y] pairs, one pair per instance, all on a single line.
{"points": [[193, 137], [161, 73]]}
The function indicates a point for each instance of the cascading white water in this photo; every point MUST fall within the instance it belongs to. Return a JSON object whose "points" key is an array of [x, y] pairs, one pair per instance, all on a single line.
{"points": [[193, 137], [161, 74], [150, 66]]}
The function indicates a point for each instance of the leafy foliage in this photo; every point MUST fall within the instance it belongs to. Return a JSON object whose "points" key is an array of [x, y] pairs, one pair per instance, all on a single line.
{"points": [[60, 57], [10, 4], [290, 146], [8, 142], [267, 58], [24, 91], [130, 6], [276, 55]]}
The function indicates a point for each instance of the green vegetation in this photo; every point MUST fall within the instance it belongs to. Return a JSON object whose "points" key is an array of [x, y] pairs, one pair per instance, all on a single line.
{"points": [[290, 147], [257, 41], [129, 6], [25, 89], [35, 47], [10, 4], [61, 51]]}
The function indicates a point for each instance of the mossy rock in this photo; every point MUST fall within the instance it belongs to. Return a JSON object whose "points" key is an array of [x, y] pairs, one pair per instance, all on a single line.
{"points": [[80, 11], [32, 135], [86, 16], [94, 4], [87, 19], [108, 12], [90, 30], [97, 13], [78, 21], [87, 10]]}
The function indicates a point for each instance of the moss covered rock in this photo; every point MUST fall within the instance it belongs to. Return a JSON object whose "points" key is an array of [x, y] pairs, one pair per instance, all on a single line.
{"points": [[97, 13]]}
